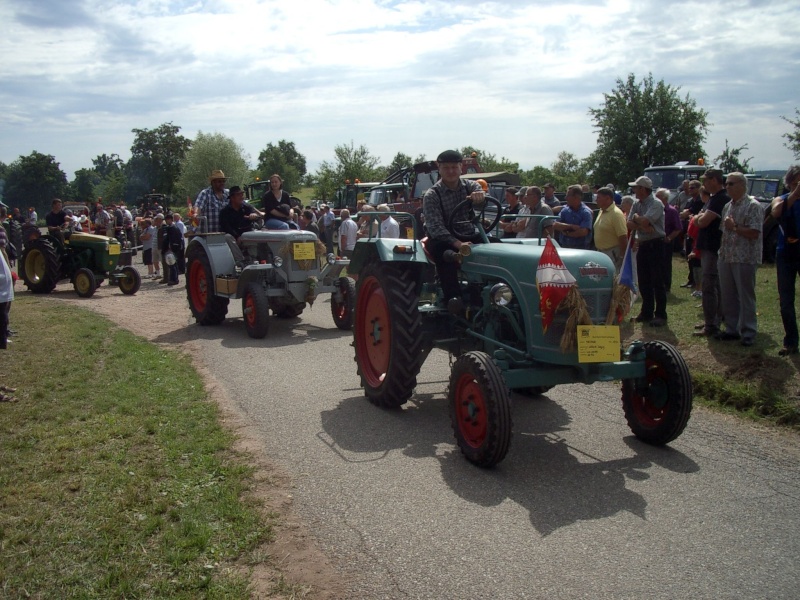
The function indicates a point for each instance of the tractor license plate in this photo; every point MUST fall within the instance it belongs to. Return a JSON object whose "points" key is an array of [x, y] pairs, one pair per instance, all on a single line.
{"points": [[598, 343], [304, 250], [114, 249]]}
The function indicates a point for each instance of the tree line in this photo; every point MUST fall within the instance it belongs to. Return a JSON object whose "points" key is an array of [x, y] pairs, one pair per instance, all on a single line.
{"points": [[638, 124]]}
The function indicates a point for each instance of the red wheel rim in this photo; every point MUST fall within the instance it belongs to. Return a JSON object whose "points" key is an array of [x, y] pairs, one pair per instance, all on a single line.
{"points": [[651, 409], [250, 310], [373, 332], [471, 414], [198, 287]]}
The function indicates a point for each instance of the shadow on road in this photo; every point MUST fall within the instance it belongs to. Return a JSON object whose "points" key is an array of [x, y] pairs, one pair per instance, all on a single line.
{"points": [[557, 482]]}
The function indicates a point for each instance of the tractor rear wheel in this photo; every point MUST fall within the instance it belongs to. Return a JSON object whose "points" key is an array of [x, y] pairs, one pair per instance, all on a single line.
{"points": [[84, 283], [255, 309], [40, 267], [343, 309], [207, 308], [658, 413], [480, 409], [388, 334], [130, 281]]}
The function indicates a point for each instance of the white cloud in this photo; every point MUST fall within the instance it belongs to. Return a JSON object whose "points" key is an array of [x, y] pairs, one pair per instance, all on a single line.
{"points": [[515, 78]]}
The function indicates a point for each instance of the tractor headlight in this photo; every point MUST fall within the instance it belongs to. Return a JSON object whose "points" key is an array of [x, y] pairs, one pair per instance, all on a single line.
{"points": [[501, 294], [331, 258], [277, 261]]}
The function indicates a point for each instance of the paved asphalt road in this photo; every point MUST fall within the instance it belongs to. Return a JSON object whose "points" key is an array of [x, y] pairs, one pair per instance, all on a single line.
{"points": [[578, 509]]}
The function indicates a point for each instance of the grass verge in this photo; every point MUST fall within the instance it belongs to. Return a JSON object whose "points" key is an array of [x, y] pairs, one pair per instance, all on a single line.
{"points": [[117, 479], [753, 381]]}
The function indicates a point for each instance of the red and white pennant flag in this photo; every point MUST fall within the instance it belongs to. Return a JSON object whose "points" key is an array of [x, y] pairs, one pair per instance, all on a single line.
{"points": [[553, 281]]}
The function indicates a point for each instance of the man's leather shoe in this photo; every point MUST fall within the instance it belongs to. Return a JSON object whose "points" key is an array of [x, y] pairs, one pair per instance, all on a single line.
{"points": [[640, 318], [705, 333], [657, 322], [787, 350], [727, 336], [748, 342]]}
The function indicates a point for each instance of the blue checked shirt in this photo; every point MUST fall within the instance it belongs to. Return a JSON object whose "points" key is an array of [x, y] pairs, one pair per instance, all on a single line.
{"points": [[209, 206]]}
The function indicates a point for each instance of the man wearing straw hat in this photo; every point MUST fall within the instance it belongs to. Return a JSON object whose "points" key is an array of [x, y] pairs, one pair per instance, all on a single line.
{"points": [[212, 200]]}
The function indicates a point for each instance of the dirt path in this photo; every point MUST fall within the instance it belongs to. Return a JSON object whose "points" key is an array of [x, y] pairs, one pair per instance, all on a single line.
{"points": [[159, 312]]}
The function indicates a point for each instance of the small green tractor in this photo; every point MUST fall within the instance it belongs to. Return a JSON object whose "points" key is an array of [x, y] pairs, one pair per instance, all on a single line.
{"points": [[84, 259], [277, 270], [496, 338]]}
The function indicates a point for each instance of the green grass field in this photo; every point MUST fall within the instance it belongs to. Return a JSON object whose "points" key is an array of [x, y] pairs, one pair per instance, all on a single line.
{"points": [[117, 479]]}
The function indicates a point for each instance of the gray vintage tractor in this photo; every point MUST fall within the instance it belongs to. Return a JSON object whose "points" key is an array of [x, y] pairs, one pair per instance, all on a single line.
{"points": [[277, 270], [497, 340]]}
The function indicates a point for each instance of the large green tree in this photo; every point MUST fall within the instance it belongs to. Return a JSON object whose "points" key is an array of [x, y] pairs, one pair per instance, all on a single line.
{"points": [[350, 163], [212, 151], [83, 187], [793, 137], [282, 159], [731, 159], [644, 123], [34, 180], [567, 170], [156, 157], [400, 161], [106, 165]]}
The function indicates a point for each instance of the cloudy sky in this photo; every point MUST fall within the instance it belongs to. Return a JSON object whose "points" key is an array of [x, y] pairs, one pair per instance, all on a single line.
{"points": [[511, 77]]}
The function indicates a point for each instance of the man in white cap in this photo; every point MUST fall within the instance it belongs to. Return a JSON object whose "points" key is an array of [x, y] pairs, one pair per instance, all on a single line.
{"points": [[646, 219], [212, 200]]}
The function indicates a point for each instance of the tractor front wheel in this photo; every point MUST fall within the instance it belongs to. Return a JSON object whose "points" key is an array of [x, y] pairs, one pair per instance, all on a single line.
{"points": [[84, 283], [40, 267], [480, 409], [207, 308], [255, 309], [129, 281], [658, 410], [344, 307], [388, 334]]}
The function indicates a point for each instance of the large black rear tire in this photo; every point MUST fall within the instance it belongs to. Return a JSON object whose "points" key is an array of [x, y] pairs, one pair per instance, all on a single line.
{"points": [[480, 409], [207, 308], [388, 334], [40, 267], [658, 414]]}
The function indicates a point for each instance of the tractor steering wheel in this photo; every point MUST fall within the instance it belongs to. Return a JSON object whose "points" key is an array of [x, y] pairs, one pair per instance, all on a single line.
{"points": [[476, 220]]}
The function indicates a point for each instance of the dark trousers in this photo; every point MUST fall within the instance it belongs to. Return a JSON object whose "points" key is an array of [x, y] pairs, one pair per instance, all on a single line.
{"points": [[448, 271], [667, 266], [650, 268], [173, 273], [787, 271], [688, 247], [5, 307]]}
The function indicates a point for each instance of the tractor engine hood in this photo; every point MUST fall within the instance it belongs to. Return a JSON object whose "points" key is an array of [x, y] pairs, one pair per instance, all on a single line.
{"points": [[518, 261]]}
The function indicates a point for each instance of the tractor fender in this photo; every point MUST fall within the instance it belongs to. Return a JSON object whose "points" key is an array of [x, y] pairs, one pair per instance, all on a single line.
{"points": [[220, 256], [392, 250]]}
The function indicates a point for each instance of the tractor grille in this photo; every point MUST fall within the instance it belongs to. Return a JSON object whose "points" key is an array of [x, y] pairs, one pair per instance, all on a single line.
{"points": [[597, 302]]}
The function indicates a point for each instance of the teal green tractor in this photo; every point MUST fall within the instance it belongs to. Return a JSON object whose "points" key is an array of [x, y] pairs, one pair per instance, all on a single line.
{"points": [[84, 259], [496, 340]]}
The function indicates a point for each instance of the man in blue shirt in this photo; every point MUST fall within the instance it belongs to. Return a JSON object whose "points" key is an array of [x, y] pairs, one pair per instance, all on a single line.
{"points": [[574, 226]]}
